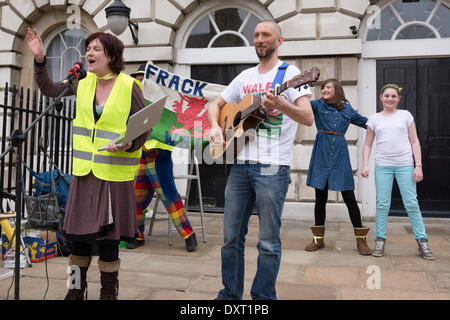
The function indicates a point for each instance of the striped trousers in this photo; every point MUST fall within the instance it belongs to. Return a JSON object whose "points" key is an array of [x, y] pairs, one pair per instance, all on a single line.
{"points": [[155, 174]]}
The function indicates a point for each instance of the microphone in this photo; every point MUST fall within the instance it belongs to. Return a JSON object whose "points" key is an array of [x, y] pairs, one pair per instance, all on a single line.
{"points": [[76, 73], [78, 65]]}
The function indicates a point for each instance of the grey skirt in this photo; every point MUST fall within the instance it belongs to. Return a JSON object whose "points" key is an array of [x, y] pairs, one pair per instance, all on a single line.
{"points": [[100, 210]]}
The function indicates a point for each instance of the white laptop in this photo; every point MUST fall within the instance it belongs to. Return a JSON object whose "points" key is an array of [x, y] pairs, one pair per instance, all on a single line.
{"points": [[140, 122]]}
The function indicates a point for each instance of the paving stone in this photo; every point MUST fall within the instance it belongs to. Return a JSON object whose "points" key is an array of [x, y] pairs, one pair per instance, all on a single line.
{"points": [[344, 259], [287, 291], [405, 280], [389, 294], [331, 276], [34, 289], [440, 281], [178, 295], [298, 257], [153, 280], [417, 263]]}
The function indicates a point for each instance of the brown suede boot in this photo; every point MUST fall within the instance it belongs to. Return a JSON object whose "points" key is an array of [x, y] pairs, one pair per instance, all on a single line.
{"points": [[361, 241], [109, 278], [318, 238], [78, 283]]}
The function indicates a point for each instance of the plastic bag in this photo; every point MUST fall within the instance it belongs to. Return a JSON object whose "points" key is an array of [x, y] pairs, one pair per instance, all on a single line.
{"points": [[43, 185]]}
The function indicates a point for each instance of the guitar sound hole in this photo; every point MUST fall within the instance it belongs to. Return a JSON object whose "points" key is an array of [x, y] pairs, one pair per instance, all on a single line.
{"points": [[237, 119]]}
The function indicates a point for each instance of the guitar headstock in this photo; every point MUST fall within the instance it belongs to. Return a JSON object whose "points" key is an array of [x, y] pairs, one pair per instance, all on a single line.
{"points": [[305, 77]]}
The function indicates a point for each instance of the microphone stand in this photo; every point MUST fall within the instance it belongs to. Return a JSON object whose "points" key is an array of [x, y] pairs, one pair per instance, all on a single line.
{"points": [[17, 138]]}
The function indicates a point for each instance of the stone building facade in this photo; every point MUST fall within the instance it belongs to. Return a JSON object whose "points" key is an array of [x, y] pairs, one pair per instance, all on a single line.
{"points": [[330, 34]]}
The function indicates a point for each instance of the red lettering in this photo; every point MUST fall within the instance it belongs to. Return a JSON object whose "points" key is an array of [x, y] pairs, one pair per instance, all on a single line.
{"points": [[247, 88]]}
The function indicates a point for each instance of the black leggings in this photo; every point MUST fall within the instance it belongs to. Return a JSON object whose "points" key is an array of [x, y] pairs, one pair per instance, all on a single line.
{"points": [[108, 250], [350, 202]]}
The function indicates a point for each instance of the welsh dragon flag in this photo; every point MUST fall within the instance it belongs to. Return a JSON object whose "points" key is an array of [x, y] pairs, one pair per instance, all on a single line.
{"points": [[184, 121]]}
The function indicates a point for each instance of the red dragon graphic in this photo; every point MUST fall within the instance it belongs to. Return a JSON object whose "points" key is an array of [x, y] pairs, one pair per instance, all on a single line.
{"points": [[190, 116]]}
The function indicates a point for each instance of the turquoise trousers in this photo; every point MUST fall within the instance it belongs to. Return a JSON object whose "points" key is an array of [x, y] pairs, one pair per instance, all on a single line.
{"points": [[384, 178]]}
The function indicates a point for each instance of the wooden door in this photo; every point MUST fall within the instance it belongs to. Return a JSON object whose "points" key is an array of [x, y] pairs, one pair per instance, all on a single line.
{"points": [[433, 125]]}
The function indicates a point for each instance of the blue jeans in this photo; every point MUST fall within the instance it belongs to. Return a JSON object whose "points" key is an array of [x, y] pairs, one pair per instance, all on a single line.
{"points": [[265, 187], [384, 178]]}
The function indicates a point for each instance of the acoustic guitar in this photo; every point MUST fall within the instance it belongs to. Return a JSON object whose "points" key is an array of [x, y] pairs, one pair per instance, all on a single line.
{"points": [[239, 121]]}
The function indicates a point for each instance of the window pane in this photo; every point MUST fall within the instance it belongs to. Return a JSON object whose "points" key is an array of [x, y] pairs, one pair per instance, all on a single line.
{"points": [[202, 33], [386, 28], [250, 27], [229, 19], [55, 48], [415, 32], [53, 66], [74, 37], [441, 21], [414, 11], [228, 40]]}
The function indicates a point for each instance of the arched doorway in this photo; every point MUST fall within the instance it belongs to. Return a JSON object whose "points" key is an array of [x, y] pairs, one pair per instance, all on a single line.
{"points": [[215, 44], [408, 43]]}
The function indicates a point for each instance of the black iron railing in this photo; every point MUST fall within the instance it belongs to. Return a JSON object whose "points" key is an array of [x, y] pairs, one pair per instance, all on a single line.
{"points": [[20, 107]]}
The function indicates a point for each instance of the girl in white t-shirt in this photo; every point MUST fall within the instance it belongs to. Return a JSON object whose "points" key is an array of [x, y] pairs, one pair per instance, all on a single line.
{"points": [[397, 147]]}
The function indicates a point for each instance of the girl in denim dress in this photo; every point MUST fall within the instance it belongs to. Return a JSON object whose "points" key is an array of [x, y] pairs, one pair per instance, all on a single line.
{"points": [[329, 167]]}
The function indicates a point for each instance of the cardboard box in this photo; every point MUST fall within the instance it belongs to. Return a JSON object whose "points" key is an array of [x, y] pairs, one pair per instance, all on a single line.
{"points": [[37, 250]]}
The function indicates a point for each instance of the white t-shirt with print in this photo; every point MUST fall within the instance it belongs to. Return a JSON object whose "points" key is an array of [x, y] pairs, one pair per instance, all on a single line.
{"points": [[393, 147], [276, 134]]}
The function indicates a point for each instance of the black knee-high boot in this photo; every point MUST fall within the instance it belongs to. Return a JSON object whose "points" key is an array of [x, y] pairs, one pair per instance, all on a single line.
{"points": [[109, 278]]}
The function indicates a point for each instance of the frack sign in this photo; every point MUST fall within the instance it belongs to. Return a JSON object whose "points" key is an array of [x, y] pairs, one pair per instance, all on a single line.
{"points": [[174, 82], [184, 121]]}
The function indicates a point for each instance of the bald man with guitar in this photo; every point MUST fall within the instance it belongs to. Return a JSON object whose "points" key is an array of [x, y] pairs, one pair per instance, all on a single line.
{"points": [[253, 124]]}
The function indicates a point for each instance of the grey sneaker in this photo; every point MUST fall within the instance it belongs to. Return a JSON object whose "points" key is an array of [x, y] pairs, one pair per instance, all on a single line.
{"points": [[378, 251], [424, 249]]}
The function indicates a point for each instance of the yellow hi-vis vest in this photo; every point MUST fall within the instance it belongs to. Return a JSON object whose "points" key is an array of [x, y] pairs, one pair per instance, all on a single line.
{"points": [[88, 136]]}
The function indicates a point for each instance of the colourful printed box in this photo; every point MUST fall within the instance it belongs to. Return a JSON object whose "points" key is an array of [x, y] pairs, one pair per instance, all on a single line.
{"points": [[39, 251]]}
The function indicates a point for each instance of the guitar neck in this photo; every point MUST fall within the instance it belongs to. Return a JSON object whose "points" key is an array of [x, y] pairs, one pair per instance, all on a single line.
{"points": [[279, 89]]}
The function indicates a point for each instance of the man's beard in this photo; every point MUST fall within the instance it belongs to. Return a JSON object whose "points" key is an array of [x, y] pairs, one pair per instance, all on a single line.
{"points": [[266, 55]]}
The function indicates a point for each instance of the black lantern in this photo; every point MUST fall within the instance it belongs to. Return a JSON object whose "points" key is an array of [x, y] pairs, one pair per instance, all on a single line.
{"points": [[118, 17]]}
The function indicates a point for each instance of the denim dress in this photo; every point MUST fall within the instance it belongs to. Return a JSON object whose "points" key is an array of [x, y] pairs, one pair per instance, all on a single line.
{"points": [[330, 160]]}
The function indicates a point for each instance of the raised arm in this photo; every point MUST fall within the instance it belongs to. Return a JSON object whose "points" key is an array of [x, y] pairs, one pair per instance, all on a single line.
{"points": [[367, 148], [44, 82], [35, 45]]}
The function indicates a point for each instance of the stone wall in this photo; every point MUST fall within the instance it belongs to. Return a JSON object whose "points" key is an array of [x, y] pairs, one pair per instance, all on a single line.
{"points": [[316, 33]]}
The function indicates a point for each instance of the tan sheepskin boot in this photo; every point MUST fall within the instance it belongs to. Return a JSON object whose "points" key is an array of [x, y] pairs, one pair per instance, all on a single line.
{"points": [[318, 238], [361, 241]]}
